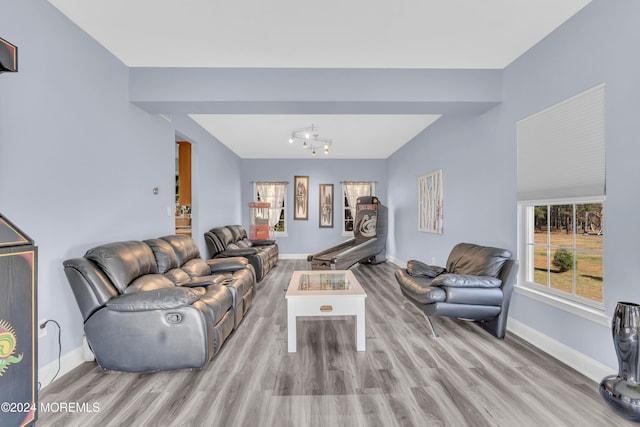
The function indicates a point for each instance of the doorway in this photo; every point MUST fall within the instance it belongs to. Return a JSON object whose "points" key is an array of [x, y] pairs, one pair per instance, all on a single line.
{"points": [[183, 187]]}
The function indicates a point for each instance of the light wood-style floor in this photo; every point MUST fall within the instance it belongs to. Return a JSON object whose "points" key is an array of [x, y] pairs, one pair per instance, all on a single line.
{"points": [[405, 378]]}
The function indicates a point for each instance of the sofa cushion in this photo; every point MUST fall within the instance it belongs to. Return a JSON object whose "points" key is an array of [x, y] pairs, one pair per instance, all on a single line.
{"points": [[224, 235], [178, 276], [123, 262], [149, 282], [243, 244], [166, 257], [184, 247], [236, 231], [196, 267], [467, 258]]}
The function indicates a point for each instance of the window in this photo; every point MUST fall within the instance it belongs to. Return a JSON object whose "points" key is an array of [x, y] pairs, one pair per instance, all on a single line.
{"points": [[561, 193], [276, 194], [351, 191], [564, 249]]}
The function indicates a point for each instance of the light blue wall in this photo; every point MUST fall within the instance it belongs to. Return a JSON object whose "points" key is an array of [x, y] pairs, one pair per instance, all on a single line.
{"points": [[78, 161], [478, 188], [306, 237], [478, 155], [598, 45]]}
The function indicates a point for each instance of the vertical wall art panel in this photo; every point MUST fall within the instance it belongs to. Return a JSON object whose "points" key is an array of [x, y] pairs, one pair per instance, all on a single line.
{"points": [[326, 205], [301, 190], [430, 202]]}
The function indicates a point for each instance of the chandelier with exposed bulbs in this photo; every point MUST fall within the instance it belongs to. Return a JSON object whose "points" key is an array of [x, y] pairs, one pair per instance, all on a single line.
{"points": [[311, 139]]}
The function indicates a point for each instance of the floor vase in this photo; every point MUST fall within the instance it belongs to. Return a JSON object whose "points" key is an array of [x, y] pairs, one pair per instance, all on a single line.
{"points": [[622, 391]]}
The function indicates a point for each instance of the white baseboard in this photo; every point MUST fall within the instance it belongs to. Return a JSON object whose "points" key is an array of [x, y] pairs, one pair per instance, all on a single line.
{"points": [[68, 361], [396, 261], [570, 356], [49, 373]]}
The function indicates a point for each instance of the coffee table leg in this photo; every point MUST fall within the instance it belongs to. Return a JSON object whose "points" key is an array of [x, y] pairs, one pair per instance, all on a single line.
{"points": [[291, 326], [360, 334]]}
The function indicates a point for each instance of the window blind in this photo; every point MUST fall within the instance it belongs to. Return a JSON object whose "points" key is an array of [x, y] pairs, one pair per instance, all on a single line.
{"points": [[561, 150]]}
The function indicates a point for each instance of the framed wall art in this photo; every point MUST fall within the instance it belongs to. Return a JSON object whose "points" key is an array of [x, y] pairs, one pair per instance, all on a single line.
{"points": [[301, 204], [430, 202], [326, 206]]}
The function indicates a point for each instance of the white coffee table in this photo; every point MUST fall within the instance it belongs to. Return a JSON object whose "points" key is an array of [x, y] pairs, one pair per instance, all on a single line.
{"points": [[324, 293]]}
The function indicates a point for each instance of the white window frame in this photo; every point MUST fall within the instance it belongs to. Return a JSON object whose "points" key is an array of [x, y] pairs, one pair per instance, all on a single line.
{"points": [[344, 205], [575, 304], [284, 201]]}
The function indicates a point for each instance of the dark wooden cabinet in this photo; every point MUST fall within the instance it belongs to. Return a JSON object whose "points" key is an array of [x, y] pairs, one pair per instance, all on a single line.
{"points": [[18, 334]]}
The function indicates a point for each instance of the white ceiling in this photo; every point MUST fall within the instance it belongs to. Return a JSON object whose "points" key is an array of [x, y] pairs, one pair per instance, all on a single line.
{"points": [[322, 34], [353, 136]]}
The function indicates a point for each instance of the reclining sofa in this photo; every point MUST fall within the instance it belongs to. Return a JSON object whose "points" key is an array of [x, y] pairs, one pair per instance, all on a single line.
{"points": [[156, 305], [476, 284], [232, 241]]}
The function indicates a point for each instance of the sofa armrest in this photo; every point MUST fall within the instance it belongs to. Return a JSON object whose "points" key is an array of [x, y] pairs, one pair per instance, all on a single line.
{"points": [[238, 252], [159, 299], [419, 268], [197, 282], [222, 265], [264, 242], [466, 281]]}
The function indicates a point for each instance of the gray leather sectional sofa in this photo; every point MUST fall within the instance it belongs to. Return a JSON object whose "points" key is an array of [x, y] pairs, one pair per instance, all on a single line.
{"points": [[232, 241], [156, 304]]}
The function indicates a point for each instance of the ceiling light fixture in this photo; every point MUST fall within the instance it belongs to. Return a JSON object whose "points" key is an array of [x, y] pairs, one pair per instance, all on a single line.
{"points": [[311, 139]]}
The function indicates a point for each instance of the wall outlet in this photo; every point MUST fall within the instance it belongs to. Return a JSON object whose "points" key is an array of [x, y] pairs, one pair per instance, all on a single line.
{"points": [[433, 260], [42, 328]]}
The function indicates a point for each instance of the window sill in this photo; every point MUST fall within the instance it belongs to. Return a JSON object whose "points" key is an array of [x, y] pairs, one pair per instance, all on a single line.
{"points": [[590, 313]]}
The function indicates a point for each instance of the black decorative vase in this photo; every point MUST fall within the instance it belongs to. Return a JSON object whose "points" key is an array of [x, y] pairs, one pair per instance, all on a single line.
{"points": [[622, 391]]}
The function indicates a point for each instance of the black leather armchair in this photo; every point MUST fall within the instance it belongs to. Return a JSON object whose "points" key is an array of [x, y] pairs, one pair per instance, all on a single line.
{"points": [[476, 284]]}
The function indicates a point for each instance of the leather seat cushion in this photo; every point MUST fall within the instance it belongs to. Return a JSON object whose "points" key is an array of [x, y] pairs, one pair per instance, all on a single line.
{"points": [[149, 282], [196, 267]]}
